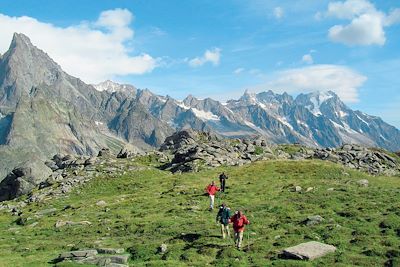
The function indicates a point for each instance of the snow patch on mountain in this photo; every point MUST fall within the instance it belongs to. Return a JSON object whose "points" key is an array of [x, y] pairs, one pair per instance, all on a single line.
{"points": [[362, 120], [317, 99], [182, 105], [112, 87], [205, 115], [285, 122]]}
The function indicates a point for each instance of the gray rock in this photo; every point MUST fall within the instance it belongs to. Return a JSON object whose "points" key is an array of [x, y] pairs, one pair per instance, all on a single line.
{"points": [[104, 152], [297, 188], [46, 212], [121, 259], [101, 203], [127, 152], [309, 189], [78, 254], [61, 223], [163, 248], [313, 220], [363, 182], [309, 250], [24, 179], [110, 250]]}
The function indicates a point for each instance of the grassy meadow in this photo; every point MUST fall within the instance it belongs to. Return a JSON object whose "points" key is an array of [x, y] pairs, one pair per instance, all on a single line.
{"points": [[147, 207]]}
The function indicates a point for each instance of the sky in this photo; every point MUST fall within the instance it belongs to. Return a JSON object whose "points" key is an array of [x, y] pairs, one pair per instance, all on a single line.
{"points": [[219, 49]]}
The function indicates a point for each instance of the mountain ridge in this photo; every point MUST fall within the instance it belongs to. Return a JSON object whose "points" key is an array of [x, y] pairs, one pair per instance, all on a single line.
{"points": [[45, 111]]}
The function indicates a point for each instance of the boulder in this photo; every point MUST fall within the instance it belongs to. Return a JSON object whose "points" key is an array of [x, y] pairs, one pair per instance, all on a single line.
{"points": [[104, 152], [127, 152], [23, 179], [78, 254], [308, 251]]}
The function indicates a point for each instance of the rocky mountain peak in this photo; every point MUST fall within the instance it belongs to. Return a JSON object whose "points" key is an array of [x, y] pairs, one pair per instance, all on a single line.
{"points": [[20, 39], [112, 87], [190, 100], [315, 100]]}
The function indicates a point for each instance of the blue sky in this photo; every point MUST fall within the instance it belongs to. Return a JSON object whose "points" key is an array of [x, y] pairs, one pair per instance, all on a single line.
{"points": [[220, 48]]}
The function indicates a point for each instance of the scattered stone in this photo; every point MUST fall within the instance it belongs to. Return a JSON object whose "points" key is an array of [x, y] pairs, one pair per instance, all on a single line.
{"points": [[46, 211], [363, 182], [309, 189], [128, 152], [330, 189], [121, 259], [61, 223], [313, 220], [101, 203], [104, 152], [163, 248], [93, 257], [309, 250], [297, 188]]}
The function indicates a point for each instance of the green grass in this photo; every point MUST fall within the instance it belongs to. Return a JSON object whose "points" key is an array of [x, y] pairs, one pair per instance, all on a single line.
{"points": [[149, 207], [289, 148]]}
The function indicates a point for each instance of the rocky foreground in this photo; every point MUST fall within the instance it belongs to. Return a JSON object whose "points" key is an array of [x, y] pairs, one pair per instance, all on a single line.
{"points": [[185, 151]]}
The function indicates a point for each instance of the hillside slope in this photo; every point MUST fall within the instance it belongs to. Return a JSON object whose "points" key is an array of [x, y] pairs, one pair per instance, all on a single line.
{"points": [[145, 207]]}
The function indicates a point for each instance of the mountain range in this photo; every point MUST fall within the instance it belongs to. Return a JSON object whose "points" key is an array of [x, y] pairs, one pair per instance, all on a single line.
{"points": [[44, 111]]}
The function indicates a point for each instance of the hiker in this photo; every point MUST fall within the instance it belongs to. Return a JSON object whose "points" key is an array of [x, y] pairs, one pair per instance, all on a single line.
{"points": [[222, 180], [238, 220], [223, 216], [211, 190]]}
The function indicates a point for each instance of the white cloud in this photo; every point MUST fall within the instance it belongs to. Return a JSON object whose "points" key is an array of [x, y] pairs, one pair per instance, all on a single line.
{"points": [[342, 80], [213, 56], [93, 51], [366, 25], [238, 71], [349, 9], [278, 12], [393, 17], [364, 30], [307, 58]]}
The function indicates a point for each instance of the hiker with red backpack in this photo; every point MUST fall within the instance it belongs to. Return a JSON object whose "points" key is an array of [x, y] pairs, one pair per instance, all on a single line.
{"points": [[239, 221], [212, 189]]}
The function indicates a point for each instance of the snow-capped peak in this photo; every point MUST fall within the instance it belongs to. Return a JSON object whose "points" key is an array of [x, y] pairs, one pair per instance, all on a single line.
{"points": [[317, 99], [249, 98], [111, 86]]}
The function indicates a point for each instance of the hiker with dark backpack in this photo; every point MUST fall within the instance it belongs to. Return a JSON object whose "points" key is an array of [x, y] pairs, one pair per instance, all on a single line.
{"points": [[212, 189], [223, 216], [238, 220], [222, 180]]}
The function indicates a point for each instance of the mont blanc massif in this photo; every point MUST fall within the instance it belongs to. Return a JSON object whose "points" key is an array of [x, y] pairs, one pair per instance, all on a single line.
{"points": [[44, 111]]}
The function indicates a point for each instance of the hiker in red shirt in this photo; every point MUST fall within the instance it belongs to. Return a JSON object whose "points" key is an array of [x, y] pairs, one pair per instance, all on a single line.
{"points": [[211, 190], [239, 220]]}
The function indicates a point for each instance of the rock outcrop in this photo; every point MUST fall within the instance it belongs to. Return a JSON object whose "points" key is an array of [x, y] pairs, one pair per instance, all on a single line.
{"points": [[101, 257], [194, 150], [372, 161], [308, 251], [23, 179]]}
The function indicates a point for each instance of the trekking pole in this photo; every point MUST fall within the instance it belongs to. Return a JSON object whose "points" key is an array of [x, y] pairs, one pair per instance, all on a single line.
{"points": [[248, 239]]}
